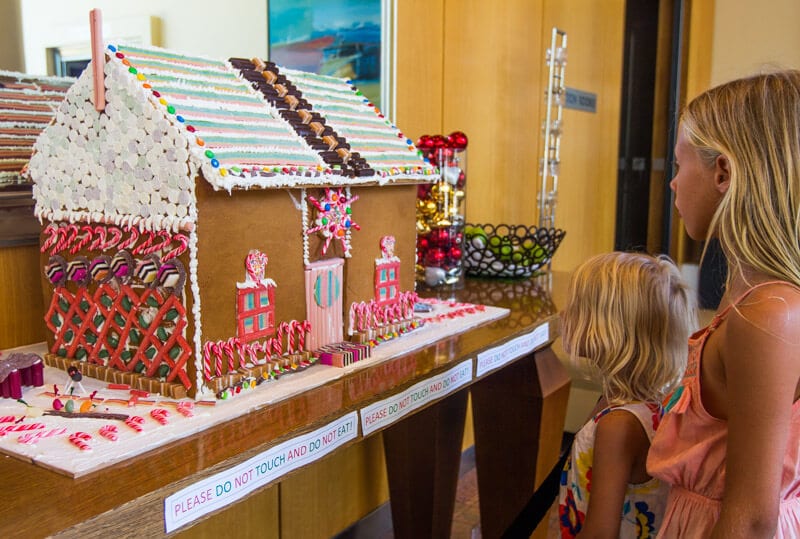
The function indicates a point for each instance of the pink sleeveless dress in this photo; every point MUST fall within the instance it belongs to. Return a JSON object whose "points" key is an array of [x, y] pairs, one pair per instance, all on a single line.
{"points": [[689, 450]]}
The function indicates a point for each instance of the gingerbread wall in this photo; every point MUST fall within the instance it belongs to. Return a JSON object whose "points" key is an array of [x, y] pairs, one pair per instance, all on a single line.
{"points": [[229, 225]]}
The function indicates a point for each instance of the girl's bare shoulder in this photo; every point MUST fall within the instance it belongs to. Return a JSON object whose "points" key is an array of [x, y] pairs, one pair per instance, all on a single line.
{"points": [[771, 310]]}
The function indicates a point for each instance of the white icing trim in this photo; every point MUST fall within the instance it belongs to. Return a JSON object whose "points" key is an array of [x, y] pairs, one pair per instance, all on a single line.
{"points": [[199, 385], [304, 219], [256, 284]]}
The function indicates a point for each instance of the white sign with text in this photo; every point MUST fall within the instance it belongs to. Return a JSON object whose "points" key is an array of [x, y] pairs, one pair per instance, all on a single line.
{"points": [[226, 487], [500, 355], [382, 413]]}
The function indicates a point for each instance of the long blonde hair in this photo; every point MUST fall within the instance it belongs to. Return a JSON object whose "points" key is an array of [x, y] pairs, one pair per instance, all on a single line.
{"points": [[630, 315], [755, 123]]}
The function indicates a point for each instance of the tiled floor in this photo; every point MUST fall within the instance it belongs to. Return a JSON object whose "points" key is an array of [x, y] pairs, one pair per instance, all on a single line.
{"points": [[466, 515]]}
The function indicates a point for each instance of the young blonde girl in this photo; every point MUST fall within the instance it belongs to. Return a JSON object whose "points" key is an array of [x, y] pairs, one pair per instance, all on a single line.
{"points": [[629, 315], [730, 444]]}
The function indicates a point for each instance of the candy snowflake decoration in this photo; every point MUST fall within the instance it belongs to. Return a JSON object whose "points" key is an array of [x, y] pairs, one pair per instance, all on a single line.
{"points": [[334, 219]]}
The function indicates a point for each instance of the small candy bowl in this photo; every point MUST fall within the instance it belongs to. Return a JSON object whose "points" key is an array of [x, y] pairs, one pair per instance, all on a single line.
{"points": [[508, 250]]}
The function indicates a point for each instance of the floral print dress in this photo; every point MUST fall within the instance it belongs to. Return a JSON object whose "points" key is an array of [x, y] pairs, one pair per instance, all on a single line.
{"points": [[643, 508]]}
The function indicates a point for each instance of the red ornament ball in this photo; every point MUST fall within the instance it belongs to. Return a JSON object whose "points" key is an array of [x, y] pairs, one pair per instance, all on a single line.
{"points": [[439, 141], [435, 257], [425, 142], [458, 140]]}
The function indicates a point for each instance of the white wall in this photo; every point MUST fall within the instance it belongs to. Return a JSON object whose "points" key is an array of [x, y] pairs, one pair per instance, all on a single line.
{"points": [[209, 28], [750, 37]]}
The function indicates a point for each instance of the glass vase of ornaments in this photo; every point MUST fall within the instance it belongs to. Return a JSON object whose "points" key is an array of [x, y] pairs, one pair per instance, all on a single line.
{"points": [[441, 212]]}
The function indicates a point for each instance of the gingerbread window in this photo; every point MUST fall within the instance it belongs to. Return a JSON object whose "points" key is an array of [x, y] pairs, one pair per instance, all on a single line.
{"points": [[255, 312], [387, 273]]}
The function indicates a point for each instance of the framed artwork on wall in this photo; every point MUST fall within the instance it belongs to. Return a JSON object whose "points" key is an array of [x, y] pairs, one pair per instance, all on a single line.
{"points": [[350, 39]]}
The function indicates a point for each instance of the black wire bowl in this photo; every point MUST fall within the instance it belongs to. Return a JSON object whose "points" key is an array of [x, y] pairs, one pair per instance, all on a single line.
{"points": [[508, 250]]}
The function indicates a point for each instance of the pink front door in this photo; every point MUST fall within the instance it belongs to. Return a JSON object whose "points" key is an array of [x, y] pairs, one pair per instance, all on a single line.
{"points": [[324, 301]]}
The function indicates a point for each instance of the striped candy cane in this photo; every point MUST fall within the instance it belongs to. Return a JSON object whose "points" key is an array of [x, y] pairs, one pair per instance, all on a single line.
{"points": [[306, 329], [135, 422], [80, 440], [207, 360], [160, 415], [185, 408], [20, 427], [33, 437], [109, 432], [228, 347], [288, 329]]}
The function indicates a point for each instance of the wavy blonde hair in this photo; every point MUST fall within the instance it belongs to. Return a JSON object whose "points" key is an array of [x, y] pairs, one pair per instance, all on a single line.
{"points": [[755, 123], [630, 315]]}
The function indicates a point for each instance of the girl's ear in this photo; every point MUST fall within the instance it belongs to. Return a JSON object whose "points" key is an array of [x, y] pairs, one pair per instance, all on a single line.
{"points": [[722, 173]]}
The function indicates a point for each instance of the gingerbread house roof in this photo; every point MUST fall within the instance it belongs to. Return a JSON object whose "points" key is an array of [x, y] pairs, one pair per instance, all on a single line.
{"points": [[169, 117], [27, 104]]}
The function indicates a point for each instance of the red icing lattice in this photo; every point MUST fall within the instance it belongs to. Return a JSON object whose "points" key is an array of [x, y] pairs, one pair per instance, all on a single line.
{"points": [[119, 328]]}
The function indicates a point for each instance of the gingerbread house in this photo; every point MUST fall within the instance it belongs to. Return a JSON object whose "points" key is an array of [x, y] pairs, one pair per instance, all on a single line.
{"points": [[27, 104], [215, 215]]}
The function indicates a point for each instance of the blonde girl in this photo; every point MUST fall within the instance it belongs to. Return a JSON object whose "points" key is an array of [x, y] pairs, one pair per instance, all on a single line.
{"points": [[730, 444], [629, 315]]}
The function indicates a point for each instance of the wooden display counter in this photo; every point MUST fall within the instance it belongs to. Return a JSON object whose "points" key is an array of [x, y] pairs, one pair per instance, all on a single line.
{"points": [[519, 395]]}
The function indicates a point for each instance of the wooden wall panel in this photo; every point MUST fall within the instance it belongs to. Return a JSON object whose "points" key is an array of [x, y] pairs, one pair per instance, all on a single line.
{"points": [[587, 190], [21, 303], [493, 93], [329, 495], [256, 516], [419, 67]]}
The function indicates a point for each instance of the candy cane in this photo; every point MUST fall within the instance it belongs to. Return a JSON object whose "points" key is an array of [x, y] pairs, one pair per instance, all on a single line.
{"points": [[61, 234], [84, 240], [33, 437], [100, 232], [179, 250], [79, 439], [277, 345], [207, 360], [285, 330], [185, 408], [241, 350], [116, 235], [160, 415], [160, 245], [8, 419], [20, 427], [227, 347], [296, 328], [52, 230], [142, 247], [109, 432], [135, 422], [63, 239], [252, 349], [306, 329], [134, 235], [215, 347]]}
